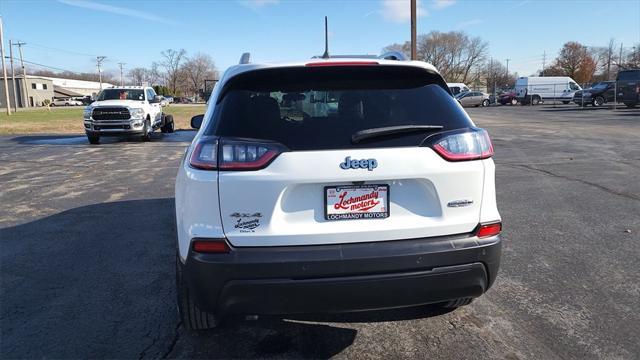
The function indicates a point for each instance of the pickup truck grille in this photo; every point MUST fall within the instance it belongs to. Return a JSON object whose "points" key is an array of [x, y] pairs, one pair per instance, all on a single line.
{"points": [[111, 113]]}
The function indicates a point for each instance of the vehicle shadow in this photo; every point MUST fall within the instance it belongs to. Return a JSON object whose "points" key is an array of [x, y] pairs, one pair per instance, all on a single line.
{"points": [[98, 281], [81, 139]]}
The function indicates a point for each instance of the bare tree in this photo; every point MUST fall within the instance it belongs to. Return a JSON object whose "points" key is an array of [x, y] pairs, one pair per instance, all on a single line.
{"points": [[138, 75], [171, 62], [457, 56], [196, 69]]}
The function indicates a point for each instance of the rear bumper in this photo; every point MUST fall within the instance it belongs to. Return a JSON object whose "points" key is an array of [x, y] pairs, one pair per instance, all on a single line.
{"points": [[343, 278]]}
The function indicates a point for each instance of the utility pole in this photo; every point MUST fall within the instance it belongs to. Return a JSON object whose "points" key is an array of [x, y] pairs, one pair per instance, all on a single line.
{"points": [[13, 77], [414, 52], [507, 60], [620, 58], [24, 75], [121, 77], [99, 60], [4, 69], [544, 61]]}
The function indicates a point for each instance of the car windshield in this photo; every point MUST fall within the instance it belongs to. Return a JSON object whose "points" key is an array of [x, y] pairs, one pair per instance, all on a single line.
{"points": [[121, 94], [313, 109]]}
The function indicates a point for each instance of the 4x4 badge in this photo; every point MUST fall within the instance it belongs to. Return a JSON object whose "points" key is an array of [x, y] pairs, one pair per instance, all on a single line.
{"points": [[368, 164]]}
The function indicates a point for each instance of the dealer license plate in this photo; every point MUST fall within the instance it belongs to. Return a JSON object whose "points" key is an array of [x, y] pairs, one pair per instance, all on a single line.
{"points": [[356, 202]]}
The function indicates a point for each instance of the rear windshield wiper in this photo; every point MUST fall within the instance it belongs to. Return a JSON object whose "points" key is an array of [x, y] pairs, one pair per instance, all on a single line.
{"points": [[391, 130]]}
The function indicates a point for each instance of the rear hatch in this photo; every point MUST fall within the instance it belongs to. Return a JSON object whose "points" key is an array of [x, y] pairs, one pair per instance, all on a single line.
{"points": [[344, 154], [628, 84]]}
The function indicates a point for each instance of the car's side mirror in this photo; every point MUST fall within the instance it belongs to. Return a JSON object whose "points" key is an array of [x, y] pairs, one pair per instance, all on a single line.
{"points": [[196, 121], [156, 99]]}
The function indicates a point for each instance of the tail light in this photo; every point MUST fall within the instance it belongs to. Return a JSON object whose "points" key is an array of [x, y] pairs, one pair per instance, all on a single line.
{"points": [[468, 145], [231, 154], [210, 246], [487, 230]]}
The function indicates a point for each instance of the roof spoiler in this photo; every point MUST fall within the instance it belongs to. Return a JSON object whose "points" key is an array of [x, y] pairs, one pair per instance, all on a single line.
{"points": [[245, 58], [391, 55]]}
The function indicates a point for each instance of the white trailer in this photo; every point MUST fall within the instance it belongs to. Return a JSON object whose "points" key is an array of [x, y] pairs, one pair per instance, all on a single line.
{"points": [[534, 89]]}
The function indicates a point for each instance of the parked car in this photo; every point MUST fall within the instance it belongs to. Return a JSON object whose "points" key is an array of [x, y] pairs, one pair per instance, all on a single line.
{"points": [[473, 98], [457, 88], [388, 202], [629, 87], [66, 102], [536, 89], [597, 95], [508, 97], [163, 101], [169, 99]]}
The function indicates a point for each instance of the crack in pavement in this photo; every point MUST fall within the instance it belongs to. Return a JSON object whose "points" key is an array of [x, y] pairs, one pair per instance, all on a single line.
{"points": [[603, 188], [176, 337]]}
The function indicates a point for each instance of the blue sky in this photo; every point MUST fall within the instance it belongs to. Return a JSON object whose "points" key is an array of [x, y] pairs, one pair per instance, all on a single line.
{"points": [[67, 34]]}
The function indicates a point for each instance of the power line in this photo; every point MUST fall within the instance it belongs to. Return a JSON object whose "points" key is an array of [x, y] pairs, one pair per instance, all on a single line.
{"points": [[37, 64], [61, 50]]}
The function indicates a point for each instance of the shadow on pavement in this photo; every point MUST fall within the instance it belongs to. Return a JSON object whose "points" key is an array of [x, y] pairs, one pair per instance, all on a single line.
{"points": [[98, 281], [81, 139]]}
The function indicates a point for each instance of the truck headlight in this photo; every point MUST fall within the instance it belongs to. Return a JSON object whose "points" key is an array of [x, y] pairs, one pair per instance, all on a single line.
{"points": [[86, 114], [136, 113]]}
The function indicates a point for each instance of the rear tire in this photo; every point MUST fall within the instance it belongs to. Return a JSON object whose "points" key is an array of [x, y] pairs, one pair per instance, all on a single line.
{"points": [[168, 126], [535, 100], [192, 317], [452, 304], [93, 139], [514, 102], [598, 101]]}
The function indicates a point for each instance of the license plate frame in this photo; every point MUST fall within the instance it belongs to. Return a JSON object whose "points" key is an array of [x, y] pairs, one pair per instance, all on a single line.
{"points": [[382, 207]]}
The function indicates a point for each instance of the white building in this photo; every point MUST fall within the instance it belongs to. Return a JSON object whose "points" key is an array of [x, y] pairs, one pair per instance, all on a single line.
{"points": [[75, 88]]}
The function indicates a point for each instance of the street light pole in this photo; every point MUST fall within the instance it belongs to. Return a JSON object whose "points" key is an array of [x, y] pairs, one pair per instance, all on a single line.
{"points": [[24, 75], [99, 60], [13, 77]]}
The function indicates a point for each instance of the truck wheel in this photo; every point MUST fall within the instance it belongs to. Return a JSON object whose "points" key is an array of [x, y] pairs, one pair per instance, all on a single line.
{"points": [[192, 317], [535, 100], [452, 304], [146, 131], [599, 101], [168, 126], [93, 139], [514, 102]]}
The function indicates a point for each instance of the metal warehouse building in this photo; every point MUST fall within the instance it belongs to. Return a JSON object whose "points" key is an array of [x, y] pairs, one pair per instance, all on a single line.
{"points": [[39, 88]]}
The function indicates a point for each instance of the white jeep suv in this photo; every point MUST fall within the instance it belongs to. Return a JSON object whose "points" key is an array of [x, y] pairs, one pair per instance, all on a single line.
{"points": [[126, 110], [333, 185]]}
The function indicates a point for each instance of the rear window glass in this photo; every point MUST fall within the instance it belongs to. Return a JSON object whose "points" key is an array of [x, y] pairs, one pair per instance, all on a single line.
{"points": [[321, 108], [629, 75]]}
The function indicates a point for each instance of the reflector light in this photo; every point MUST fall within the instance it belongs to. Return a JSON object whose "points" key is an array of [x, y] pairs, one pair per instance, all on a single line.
{"points": [[487, 230], [211, 247], [342, 63], [470, 145]]}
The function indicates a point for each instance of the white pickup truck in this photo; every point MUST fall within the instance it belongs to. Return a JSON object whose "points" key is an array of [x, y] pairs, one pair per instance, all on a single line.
{"points": [[126, 111]]}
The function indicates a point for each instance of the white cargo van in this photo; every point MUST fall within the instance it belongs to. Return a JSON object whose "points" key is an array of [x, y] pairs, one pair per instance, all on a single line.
{"points": [[534, 89], [457, 88]]}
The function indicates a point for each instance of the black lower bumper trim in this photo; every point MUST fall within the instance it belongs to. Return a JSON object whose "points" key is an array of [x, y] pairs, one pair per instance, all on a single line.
{"points": [[339, 278]]}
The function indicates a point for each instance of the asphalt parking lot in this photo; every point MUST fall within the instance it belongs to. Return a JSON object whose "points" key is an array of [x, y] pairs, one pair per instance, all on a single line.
{"points": [[87, 254]]}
